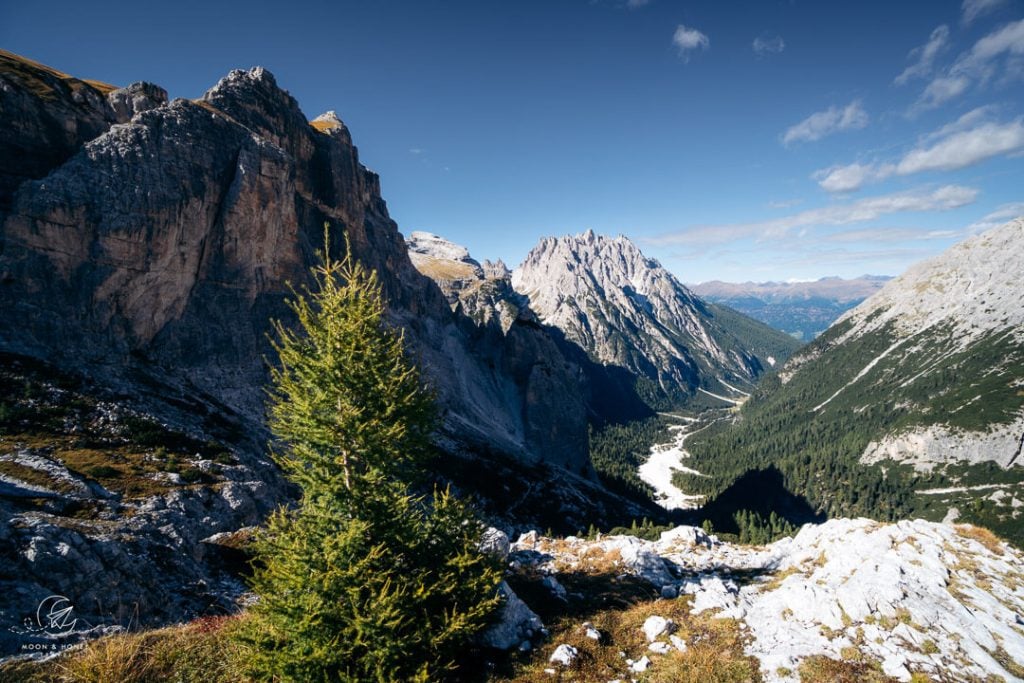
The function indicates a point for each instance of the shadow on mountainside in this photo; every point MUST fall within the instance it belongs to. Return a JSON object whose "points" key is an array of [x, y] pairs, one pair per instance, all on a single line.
{"points": [[521, 495], [761, 491], [613, 397]]}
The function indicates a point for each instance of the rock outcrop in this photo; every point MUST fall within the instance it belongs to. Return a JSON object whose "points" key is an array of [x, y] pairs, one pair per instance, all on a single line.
{"points": [[483, 292], [163, 245], [913, 597], [626, 310], [49, 115]]}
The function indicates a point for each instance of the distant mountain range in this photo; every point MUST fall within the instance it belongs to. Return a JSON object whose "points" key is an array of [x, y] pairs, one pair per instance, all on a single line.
{"points": [[801, 309]]}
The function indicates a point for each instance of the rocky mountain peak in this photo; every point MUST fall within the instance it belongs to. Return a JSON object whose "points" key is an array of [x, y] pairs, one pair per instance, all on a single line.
{"points": [[436, 246], [972, 289], [496, 270], [135, 99], [329, 124], [253, 98], [447, 263], [617, 258], [482, 292], [627, 310]]}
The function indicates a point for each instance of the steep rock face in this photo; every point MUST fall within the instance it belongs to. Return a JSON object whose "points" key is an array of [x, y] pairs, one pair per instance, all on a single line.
{"points": [[626, 310], [172, 236], [145, 254], [556, 406]]}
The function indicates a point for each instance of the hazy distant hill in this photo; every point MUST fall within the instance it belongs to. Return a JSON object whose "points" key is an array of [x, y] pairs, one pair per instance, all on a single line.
{"points": [[801, 309]]}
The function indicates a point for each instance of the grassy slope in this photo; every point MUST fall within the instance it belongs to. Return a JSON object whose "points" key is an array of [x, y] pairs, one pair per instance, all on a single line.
{"points": [[57, 418], [40, 79]]}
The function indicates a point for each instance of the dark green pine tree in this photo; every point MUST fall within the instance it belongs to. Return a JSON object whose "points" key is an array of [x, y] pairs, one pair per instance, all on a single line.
{"points": [[362, 581]]}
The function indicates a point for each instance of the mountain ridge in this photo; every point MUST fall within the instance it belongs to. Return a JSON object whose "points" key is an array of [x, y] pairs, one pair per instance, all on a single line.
{"points": [[914, 400], [145, 246], [801, 309], [626, 310]]}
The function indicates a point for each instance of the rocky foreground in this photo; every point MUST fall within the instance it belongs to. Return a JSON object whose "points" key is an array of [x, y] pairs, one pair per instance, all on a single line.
{"points": [[912, 600]]}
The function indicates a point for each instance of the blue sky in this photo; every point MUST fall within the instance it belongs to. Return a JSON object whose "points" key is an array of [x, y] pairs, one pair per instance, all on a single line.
{"points": [[732, 140]]}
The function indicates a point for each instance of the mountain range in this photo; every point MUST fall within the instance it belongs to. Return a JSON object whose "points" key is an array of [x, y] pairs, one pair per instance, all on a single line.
{"points": [[146, 244], [801, 309], [624, 311], [145, 247]]}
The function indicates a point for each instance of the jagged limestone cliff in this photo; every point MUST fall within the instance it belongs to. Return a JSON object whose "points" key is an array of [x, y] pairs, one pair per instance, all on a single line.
{"points": [[145, 245], [626, 310]]}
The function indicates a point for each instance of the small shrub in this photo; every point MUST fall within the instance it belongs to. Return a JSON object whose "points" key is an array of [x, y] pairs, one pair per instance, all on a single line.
{"points": [[103, 472]]}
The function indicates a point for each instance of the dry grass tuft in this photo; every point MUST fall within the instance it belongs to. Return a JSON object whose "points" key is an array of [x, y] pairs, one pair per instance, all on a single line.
{"points": [[200, 651], [982, 536], [325, 126], [1008, 662], [35, 76], [443, 269], [821, 669]]}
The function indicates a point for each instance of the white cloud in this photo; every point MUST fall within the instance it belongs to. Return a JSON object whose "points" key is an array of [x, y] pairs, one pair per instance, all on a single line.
{"points": [[892, 260], [972, 9], [768, 45], [942, 89], [967, 141], [965, 148], [978, 65], [875, 235], [1003, 214], [924, 56], [967, 121], [846, 178], [822, 123], [636, 4], [689, 39], [1007, 40], [871, 208]]}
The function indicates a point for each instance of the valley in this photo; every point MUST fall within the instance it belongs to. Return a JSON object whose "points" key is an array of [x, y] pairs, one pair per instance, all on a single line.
{"points": [[694, 493], [664, 461]]}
